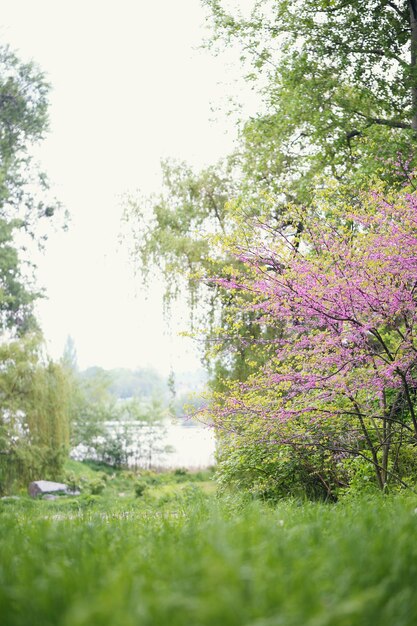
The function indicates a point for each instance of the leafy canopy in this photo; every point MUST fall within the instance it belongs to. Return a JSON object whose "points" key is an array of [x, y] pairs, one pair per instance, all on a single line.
{"points": [[338, 85]]}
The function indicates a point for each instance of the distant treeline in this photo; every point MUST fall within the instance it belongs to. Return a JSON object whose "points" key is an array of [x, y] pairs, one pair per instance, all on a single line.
{"points": [[144, 383]]}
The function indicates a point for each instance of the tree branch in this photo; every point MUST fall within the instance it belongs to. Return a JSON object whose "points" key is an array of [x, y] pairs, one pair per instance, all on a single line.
{"points": [[396, 9], [383, 122]]}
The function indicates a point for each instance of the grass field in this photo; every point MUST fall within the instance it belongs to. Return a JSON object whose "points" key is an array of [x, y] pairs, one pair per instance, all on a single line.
{"points": [[179, 556]]}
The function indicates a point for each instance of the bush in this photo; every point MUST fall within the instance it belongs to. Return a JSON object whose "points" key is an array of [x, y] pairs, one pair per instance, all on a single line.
{"points": [[96, 486], [140, 488]]}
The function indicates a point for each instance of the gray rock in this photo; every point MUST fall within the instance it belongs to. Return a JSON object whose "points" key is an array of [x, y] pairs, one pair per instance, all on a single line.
{"points": [[42, 487], [50, 496]]}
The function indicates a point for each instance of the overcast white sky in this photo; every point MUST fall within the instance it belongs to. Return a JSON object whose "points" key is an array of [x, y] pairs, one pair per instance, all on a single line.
{"points": [[128, 89]]}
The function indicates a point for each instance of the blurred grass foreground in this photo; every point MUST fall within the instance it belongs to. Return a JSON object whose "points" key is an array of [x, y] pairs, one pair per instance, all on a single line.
{"points": [[164, 549]]}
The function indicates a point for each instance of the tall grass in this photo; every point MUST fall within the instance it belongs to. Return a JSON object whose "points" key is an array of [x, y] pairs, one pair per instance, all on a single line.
{"points": [[198, 561]]}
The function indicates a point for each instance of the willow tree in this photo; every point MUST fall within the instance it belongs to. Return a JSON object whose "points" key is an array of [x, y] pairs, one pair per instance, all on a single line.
{"points": [[34, 416], [171, 237]]}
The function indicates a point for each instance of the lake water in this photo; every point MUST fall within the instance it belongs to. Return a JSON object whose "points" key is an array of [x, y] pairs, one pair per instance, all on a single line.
{"points": [[193, 447], [172, 446]]}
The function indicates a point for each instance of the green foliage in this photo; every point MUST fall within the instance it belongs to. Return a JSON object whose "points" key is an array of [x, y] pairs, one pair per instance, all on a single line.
{"points": [[338, 103], [336, 82], [92, 406], [169, 231], [140, 488], [33, 390], [134, 436], [34, 417], [335, 91], [97, 487], [360, 478], [148, 479], [100, 396], [175, 239], [251, 460], [115, 431], [16, 297], [23, 123], [69, 357], [296, 423], [208, 562]]}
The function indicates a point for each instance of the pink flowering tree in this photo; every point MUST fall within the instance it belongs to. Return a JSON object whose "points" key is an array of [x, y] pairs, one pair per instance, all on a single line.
{"points": [[341, 378]]}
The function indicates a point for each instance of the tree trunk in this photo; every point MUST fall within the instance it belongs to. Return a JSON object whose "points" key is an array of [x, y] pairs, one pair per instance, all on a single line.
{"points": [[386, 447], [413, 54]]}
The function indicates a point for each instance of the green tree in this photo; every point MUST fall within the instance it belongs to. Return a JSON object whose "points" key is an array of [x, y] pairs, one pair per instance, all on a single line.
{"points": [[69, 357], [172, 236], [34, 413], [136, 435], [338, 85], [34, 424], [91, 407], [139, 383], [169, 231], [24, 212]]}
